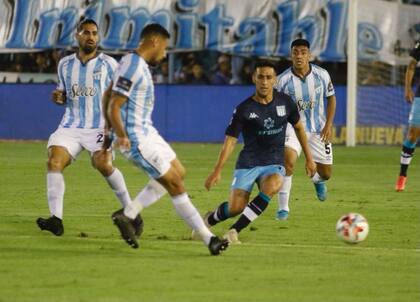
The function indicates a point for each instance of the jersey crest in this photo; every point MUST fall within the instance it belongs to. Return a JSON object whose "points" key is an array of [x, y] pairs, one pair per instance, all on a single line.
{"points": [[281, 110]]}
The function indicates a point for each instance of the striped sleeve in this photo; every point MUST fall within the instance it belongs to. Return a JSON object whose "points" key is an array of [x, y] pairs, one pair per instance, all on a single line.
{"points": [[111, 67], [61, 83], [127, 75], [329, 91]]}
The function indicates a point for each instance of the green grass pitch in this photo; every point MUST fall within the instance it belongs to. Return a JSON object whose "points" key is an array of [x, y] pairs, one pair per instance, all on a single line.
{"points": [[298, 260]]}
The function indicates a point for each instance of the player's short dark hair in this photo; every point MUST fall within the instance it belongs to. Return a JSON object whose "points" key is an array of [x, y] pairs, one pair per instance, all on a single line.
{"points": [[264, 63], [300, 42], [86, 21], [154, 29]]}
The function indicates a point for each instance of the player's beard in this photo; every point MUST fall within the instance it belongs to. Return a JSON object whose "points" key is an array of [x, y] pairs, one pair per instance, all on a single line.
{"points": [[88, 49]]}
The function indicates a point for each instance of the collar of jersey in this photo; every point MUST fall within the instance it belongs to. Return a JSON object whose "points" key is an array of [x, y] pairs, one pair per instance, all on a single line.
{"points": [[84, 64], [305, 76]]}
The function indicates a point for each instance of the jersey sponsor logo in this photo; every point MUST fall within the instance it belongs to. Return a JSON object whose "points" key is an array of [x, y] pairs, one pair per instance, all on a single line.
{"points": [[302, 105], [271, 132], [77, 91], [253, 115], [281, 110], [268, 123], [124, 84], [330, 87]]}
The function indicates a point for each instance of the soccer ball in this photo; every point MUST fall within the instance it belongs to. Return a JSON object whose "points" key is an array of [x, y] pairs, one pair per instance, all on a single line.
{"points": [[352, 228]]}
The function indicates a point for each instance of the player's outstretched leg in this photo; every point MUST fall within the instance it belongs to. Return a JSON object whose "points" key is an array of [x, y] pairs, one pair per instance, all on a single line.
{"points": [[407, 153], [251, 212], [52, 224], [189, 213], [212, 218], [126, 226]]}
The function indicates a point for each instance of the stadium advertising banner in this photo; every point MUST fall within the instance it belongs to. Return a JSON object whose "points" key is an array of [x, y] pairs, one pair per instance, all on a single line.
{"points": [[245, 27]]}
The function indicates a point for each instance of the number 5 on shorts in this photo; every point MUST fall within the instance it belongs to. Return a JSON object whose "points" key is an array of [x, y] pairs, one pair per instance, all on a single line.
{"points": [[328, 148]]}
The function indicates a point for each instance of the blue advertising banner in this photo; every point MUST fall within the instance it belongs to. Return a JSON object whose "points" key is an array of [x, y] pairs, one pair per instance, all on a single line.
{"points": [[244, 27], [199, 113]]}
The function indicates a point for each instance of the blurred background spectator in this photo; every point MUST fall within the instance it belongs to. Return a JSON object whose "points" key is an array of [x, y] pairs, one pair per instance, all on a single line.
{"points": [[222, 74]]}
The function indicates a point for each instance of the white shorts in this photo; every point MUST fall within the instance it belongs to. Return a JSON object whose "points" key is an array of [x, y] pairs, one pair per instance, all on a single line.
{"points": [[321, 152], [153, 154], [75, 140]]}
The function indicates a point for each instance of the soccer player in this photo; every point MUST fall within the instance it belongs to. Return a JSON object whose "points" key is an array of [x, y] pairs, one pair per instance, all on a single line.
{"points": [[129, 113], [83, 79], [308, 85], [262, 119], [413, 133]]}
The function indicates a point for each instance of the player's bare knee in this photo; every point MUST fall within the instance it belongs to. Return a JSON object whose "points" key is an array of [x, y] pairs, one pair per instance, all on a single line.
{"points": [[236, 208], [289, 168], [105, 168], [181, 171], [174, 186], [271, 185], [55, 164]]}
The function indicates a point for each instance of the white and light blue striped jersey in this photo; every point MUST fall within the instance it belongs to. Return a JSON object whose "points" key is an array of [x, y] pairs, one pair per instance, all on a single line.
{"points": [[309, 93], [134, 80], [84, 85]]}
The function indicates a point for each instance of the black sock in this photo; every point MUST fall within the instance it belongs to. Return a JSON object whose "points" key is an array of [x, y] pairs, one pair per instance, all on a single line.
{"points": [[220, 214], [406, 155], [252, 211]]}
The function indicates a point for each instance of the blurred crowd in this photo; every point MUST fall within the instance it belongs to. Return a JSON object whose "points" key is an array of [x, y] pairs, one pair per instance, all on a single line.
{"points": [[207, 68], [193, 68]]}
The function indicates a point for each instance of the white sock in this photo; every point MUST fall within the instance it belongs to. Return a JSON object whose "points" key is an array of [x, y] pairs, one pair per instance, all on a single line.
{"points": [[284, 193], [117, 184], [55, 193], [151, 193], [189, 213], [317, 178]]}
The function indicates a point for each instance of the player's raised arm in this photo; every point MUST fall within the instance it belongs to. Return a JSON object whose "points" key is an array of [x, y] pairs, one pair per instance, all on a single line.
{"points": [[114, 117], [225, 152], [310, 165]]}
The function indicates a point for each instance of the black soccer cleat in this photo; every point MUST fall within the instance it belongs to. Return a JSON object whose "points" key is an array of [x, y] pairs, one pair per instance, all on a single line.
{"points": [[138, 225], [126, 228], [52, 224], [216, 245]]}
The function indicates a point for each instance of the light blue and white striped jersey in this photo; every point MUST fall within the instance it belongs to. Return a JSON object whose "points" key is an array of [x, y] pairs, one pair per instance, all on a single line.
{"points": [[309, 94], [84, 85], [134, 80]]}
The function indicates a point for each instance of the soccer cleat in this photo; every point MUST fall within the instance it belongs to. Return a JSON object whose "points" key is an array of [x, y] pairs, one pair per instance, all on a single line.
{"points": [[52, 224], [194, 234], [282, 215], [321, 190], [126, 228], [138, 225], [216, 245], [400, 185], [232, 236]]}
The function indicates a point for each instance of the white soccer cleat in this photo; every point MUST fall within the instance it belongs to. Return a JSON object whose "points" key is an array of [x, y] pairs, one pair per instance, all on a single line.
{"points": [[232, 236]]}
